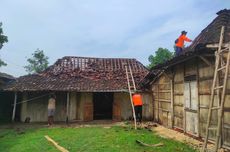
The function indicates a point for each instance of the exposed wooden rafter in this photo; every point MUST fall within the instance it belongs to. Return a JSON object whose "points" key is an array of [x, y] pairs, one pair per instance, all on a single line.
{"points": [[205, 60], [216, 45]]}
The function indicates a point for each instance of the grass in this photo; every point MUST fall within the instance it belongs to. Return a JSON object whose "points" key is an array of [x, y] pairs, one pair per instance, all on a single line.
{"points": [[87, 139]]}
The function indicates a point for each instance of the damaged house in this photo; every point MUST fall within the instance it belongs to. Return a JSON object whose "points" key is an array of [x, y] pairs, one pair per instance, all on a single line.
{"points": [[181, 87], [6, 98], [86, 89]]}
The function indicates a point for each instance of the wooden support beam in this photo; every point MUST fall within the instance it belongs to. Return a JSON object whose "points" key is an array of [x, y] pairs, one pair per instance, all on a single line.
{"points": [[206, 61], [179, 105], [169, 76], [67, 108], [172, 103], [165, 91], [162, 109], [14, 109], [198, 97], [216, 45], [163, 100], [158, 104], [60, 148]]}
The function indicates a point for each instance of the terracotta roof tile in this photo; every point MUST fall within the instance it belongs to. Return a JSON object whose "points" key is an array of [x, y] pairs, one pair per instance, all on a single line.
{"points": [[81, 74]]}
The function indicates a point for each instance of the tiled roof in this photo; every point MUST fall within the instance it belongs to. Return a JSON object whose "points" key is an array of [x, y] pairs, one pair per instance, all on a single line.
{"points": [[81, 74], [6, 76], [211, 34]]}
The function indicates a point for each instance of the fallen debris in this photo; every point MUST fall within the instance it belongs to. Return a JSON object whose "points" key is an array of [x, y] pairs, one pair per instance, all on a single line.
{"points": [[148, 125], [148, 145], [62, 149], [19, 131], [178, 136]]}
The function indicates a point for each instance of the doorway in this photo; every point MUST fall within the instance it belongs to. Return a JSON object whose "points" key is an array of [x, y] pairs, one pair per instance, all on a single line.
{"points": [[191, 106], [102, 105]]}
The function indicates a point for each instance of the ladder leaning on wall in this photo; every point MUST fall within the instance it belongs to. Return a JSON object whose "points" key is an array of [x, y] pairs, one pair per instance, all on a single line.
{"points": [[218, 88], [132, 89]]}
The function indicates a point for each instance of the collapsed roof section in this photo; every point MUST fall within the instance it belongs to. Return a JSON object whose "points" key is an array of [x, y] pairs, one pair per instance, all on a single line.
{"points": [[81, 74]]}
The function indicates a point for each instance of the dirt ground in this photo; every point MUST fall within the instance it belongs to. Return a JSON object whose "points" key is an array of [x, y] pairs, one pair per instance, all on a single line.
{"points": [[175, 135]]}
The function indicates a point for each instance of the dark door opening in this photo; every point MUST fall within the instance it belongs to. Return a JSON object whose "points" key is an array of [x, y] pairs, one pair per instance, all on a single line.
{"points": [[102, 105]]}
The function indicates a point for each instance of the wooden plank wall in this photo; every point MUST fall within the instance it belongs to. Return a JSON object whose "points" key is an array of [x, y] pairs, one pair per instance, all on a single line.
{"points": [[205, 84], [179, 96], [37, 109], [204, 77], [162, 101]]}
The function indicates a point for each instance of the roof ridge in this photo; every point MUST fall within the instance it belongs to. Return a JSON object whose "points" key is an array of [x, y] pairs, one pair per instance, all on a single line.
{"points": [[223, 11], [85, 57]]}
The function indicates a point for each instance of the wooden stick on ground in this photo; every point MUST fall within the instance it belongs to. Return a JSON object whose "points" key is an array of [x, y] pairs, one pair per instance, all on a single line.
{"points": [[62, 149], [144, 144]]}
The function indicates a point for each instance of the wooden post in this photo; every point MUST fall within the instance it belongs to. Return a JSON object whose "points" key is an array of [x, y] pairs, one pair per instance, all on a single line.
{"points": [[184, 112], [23, 113], [67, 108], [198, 96], [14, 109], [158, 104], [172, 103]]}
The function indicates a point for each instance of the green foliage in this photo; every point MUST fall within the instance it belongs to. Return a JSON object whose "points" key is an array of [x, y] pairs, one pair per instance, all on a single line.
{"points": [[37, 63], [87, 139], [161, 55], [3, 39]]}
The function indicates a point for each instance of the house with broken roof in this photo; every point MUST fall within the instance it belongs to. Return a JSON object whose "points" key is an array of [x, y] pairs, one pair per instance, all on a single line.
{"points": [[86, 89], [181, 87], [5, 78], [6, 98]]}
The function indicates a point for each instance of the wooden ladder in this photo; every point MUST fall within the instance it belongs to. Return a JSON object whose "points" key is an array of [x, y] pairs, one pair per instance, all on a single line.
{"points": [[132, 89], [218, 88]]}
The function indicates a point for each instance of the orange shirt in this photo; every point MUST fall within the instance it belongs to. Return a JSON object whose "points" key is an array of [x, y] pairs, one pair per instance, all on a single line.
{"points": [[137, 101], [181, 40]]}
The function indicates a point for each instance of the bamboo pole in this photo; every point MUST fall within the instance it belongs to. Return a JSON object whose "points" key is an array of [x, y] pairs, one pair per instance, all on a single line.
{"points": [[60, 148], [14, 109], [131, 98]]}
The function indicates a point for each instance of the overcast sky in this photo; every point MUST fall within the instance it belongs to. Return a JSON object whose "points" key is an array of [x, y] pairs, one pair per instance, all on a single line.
{"points": [[98, 28]]}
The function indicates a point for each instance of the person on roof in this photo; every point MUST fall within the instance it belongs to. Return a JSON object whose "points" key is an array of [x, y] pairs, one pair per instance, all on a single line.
{"points": [[179, 43], [137, 101]]}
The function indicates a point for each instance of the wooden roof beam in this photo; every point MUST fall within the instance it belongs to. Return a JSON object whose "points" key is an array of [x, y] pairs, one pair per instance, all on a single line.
{"points": [[205, 60], [216, 45]]}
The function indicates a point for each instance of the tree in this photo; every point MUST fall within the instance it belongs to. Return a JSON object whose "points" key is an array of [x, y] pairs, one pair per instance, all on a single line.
{"points": [[3, 39], [37, 63], [161, 55]]}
